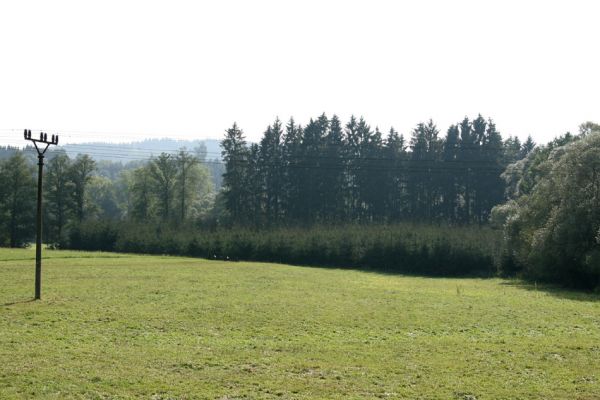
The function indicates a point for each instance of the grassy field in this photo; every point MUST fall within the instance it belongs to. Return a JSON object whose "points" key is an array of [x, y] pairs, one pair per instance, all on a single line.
{"points": [[116, 326]]}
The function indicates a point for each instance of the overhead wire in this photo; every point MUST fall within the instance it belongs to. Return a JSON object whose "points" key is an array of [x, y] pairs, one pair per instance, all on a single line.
{"points": [[111, 151], [404, 167], [301, 161]]}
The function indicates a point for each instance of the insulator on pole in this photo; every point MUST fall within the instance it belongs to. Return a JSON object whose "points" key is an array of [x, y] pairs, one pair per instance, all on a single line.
{"points": [[52, 140], [45, 137], [25, 134], [29, 134], [56, 139], [41, 136]]}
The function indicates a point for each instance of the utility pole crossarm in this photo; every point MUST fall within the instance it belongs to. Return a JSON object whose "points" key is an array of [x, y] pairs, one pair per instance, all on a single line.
{"points": [[43, 139]]}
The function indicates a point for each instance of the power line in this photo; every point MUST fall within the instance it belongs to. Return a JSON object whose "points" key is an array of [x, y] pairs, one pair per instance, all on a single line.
{"points": [[401, 169], [109, 151], [407, 166]]}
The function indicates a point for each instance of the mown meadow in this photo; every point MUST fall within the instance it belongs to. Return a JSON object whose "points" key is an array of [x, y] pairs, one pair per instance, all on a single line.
{"points": [[119, 326]]}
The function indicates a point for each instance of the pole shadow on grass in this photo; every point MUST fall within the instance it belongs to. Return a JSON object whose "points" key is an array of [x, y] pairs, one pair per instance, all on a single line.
{"points": [[18, 302], [555, 290]]}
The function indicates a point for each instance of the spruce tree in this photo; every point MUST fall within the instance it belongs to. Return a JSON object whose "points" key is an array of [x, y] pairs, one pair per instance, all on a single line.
{"points": [[365, 169], [466, 154], [527, 147], [492, 186], [235, 156], [417, 174], [395, 156], [373, 176], [291, 160], [432, 168], [334, 173], [271, 166], [253, 206], [449, 174], [478, 167], [512, 150], [311, 187], [352, 154]]}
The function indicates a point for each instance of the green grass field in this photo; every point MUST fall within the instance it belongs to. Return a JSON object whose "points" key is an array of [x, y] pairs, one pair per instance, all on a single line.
{"points": [[114, 326]]}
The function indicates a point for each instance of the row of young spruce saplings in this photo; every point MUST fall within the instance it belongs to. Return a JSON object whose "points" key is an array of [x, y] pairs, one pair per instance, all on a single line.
{"points": [[401, 248]]}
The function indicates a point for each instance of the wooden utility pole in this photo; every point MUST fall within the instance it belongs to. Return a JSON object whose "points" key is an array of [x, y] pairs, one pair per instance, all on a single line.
{"points": [[38, 237]]}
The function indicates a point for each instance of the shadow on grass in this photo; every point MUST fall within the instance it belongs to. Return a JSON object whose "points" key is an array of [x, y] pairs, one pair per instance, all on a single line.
{"points": [[18, 302], [555, 290], [547, 288], [407, 273]]}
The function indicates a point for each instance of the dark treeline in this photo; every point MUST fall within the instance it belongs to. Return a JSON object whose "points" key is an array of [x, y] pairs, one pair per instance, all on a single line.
{"points": [[280, 195], [327, 172], [337, 196]]}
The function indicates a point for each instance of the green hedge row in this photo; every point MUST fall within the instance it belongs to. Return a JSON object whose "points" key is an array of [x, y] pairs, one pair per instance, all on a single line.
{"points": [[403, 248]]}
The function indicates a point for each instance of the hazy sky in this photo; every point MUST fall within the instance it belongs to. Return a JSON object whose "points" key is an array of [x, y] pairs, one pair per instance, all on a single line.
{"points": [[130, 69]]}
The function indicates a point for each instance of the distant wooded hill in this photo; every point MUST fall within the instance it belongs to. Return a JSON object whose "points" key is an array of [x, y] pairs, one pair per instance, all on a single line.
{"points": [[144, 149]]}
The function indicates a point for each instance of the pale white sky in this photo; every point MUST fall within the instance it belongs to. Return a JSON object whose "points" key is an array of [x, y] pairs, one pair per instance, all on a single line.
{"points": [[131, 69]]}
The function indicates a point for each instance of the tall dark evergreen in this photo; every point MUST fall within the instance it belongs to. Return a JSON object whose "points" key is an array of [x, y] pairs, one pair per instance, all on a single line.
{"points": [[465, 161], [334, 173], [253, 206], [372, 176], [449, 175], [292, 173], [271, 166], [394, 154], [491, 187], [433, 177], [235, 157], [312, 165], [417, 173], [353, 164], [363, 170], [512, 150], [478, 168], [527, 147]]}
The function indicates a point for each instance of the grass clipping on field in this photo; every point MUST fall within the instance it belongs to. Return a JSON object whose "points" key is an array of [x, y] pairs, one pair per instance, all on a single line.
{"points": [[120, 326]]}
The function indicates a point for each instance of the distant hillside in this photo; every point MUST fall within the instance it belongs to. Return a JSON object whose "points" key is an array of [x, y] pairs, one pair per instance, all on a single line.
{"points": [[129, 155], [135, 151]]}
